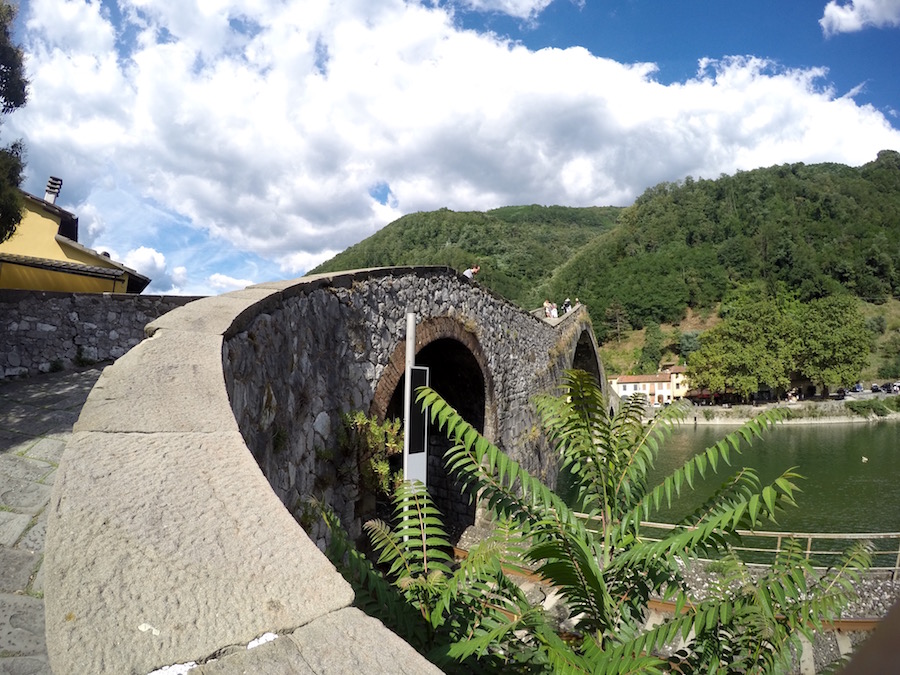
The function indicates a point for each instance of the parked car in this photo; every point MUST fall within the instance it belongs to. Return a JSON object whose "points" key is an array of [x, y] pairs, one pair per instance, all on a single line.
{"points": [[876, 388], [857, 387]]}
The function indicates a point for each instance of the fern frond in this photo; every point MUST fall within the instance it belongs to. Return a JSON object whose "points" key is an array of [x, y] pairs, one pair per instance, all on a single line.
{"points": [[373, 594]]}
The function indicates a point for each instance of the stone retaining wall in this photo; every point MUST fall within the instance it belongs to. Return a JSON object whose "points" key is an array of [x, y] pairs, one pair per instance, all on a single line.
{"points": [[42, 331], [166, 543]]}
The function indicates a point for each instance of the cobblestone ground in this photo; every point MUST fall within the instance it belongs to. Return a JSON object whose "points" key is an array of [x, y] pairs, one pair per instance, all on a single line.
{"points": [[36, 418]]}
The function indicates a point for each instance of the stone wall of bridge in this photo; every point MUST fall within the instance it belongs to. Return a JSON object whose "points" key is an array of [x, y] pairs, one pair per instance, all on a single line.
{"points": [[337, 344]]}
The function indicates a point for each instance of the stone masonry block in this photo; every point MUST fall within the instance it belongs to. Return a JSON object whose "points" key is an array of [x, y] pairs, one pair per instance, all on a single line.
{"points": [[170, 382], [163, 548], [217, 315]]}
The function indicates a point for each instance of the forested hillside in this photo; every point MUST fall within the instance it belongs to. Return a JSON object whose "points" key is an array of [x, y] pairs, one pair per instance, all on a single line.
{"points": [[518, 247], [810, 229], [816, 228]]}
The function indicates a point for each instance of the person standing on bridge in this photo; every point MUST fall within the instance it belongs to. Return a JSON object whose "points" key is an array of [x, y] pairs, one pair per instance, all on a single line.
{"points": [[471, 272]]}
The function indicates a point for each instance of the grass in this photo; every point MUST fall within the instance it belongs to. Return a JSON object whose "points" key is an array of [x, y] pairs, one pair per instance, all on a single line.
{"points": [[877, 407], [620, 358]]}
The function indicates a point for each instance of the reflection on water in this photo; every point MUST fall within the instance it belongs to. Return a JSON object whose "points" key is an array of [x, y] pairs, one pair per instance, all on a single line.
{"points": [[841, 492]]}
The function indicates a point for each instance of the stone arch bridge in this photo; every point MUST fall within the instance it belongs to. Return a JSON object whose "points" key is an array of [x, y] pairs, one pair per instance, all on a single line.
{"points": [[173, 532]]}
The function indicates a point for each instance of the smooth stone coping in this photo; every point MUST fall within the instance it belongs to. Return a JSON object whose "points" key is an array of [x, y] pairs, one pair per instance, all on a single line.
{"points": [[165, 542]]}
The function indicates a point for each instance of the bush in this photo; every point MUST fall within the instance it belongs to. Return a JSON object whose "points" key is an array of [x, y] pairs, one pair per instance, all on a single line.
{"points": [[865, 408]]}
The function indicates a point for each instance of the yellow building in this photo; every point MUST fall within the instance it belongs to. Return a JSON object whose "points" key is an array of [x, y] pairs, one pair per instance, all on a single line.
{"points": [[43, 254], [670, 384]]}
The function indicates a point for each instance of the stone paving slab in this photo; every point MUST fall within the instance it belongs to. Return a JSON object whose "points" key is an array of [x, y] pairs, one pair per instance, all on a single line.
{"points": [[24, 496], [13, 443], [12, 525], [34, 538], [25, 665], [36, 418], [32, 421], [22, 468], [47, 450], [18, 567], [21, 626]]}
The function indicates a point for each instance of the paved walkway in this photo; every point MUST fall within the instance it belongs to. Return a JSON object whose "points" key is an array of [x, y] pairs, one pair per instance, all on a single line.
{"points": [[36, 418]]}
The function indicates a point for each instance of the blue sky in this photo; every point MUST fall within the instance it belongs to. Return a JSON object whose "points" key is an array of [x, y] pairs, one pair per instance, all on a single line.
{"points": [[212, 144]]}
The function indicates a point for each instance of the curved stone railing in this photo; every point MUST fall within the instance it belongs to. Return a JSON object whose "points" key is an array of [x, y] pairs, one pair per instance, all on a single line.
{"points": [[169, 540], [165, 542]]}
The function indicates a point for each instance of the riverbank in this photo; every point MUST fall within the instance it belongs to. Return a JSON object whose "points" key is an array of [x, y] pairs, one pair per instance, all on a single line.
{"points": [[799, 412]]}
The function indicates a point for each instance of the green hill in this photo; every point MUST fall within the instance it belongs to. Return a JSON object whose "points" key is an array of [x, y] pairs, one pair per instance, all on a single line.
{"points": [[814, 229], [518, 247]]}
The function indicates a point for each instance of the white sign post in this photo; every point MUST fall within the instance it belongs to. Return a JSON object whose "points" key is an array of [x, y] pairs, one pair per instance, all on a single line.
{"points": [[415, 421]]}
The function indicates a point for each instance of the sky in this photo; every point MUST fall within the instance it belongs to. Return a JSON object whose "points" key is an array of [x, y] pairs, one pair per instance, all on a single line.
{"points": [[212, 144]]}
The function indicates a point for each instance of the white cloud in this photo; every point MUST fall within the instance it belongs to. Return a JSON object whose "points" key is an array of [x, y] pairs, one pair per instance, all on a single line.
{"points": [[522, 9], [855, 15], [264, 129], [224, 283], [152, 264]]}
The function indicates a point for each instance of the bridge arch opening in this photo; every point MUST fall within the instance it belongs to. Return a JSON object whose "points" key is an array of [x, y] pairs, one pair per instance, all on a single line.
{"points": [[457, 377], [459, 373], [585, 357]]}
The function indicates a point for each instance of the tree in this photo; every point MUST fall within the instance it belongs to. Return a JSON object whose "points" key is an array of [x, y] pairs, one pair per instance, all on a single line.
{"points": [[688, 343], [651, 352], [834, 341], [617, 320], [754, 346], [13, 94]]}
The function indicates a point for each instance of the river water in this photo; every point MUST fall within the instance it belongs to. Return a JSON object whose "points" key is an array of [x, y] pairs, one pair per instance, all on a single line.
{"points": [[841, 491]]}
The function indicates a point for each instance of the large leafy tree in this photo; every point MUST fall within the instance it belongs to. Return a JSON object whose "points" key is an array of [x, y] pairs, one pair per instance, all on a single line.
{"points": [[764, 340], [597, 555], [754, 346], [13, 94], [834, 340]]}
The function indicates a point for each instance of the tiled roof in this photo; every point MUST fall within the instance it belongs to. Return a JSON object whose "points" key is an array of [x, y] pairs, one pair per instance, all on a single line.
{"points": [[62, 266]]}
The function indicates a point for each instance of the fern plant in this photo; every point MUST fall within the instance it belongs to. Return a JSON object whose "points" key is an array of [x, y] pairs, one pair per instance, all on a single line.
{"points": [[455, 614], [607, 575]]}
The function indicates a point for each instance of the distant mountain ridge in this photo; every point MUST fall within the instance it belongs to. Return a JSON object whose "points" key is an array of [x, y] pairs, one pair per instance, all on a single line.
{"points": [[815, 229]]}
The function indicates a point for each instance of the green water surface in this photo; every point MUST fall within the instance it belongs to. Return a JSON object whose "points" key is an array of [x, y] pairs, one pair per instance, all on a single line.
{"points": [[841, 491]]}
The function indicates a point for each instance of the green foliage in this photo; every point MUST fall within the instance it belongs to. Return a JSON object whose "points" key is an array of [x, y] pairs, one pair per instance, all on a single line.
{"points": [[616, 321], [13, 93], [373, 443], [876, 324], [763, 340], [818, 230], [891, 368], [517, 247], [652, 350], [688, 343], [869, 407], [454, 614], [834, 341], [608, 574], [754, 346], [472, 617]]}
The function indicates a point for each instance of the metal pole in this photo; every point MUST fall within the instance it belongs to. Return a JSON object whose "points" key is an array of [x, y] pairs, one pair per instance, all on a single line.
{"points": [[407, 388]]}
